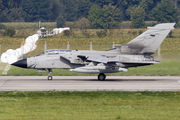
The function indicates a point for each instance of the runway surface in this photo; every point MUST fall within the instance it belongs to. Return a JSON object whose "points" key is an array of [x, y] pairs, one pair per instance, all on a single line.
{"points": [[90, 83]]}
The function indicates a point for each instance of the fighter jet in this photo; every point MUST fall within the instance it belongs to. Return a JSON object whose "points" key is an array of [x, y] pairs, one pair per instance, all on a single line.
{"points": [[137, 52]]}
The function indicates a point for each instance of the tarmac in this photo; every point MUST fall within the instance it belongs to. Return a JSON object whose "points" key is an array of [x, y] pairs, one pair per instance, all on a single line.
{"points": [[90, 83]]}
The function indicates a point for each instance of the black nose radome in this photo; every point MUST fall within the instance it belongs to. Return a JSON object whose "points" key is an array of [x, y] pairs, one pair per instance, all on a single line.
{"points": [[21, 63]]}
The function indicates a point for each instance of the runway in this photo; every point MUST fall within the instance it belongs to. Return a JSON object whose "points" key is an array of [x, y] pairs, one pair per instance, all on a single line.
{"points": [[90, 83]]}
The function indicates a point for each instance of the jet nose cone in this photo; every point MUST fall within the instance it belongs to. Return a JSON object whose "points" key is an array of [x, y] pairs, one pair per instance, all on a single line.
{"points": [[21, 63]]}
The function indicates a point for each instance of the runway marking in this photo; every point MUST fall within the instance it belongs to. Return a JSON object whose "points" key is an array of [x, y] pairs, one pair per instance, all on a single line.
{"points": [[6, 69]]}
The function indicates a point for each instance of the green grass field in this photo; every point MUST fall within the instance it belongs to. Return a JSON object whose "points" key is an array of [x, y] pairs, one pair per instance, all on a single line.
{"points": [[106, 105], [2, 67]]}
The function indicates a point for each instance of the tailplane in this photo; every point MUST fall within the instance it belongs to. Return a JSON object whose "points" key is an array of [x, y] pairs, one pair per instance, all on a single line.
{"points": [[149, 41]]}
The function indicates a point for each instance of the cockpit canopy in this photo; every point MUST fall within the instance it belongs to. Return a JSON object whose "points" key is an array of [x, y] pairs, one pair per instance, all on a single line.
{"points": [[53, 52]]}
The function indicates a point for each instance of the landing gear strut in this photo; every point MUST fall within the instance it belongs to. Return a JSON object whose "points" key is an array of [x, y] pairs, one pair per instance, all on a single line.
{"points": [[49, 76], [101, 76]]}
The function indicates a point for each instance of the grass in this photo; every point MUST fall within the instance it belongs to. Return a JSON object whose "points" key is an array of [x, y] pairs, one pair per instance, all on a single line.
{"points": [[165, 68], [2, 67], [105, 105]]}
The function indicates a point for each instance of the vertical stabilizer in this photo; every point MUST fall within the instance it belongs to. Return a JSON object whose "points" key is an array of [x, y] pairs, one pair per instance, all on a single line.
{"points": [[150, 40]]}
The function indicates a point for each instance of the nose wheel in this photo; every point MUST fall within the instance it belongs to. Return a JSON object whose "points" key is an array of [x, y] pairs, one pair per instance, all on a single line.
{"points": [[101, 77], [49, 76]]}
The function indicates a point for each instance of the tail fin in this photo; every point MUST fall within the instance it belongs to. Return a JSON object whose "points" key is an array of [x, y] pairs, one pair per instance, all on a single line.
{"points": [[149, 41]]}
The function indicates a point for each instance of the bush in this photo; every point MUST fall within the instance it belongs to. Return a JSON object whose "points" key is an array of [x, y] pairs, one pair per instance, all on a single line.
{"points": [[68, 33], [2, 26], [70, 24], [177, 25], [134, 33], [170, 34], [86, 33], [149, 24], [83, 23], [126, 25], [102, 33], [140, 32], [9, 32], [60, 21]]}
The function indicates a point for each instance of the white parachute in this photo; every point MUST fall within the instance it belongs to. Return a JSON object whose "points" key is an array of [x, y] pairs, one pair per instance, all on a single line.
{"points": [[11, 56]]}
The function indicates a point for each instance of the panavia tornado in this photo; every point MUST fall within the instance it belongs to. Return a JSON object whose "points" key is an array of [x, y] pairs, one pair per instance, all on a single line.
{"points": [[133, 54]]}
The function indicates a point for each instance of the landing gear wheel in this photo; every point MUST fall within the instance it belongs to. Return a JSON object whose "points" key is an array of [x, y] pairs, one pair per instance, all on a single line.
{"points": [[101, 77], [50, 72], [50, 78]]}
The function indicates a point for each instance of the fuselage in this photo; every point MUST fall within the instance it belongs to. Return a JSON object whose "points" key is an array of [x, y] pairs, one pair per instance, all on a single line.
{"points": [[68, 59]]}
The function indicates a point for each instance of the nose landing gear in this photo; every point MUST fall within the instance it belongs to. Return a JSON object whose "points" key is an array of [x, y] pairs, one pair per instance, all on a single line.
{"points": [[49, 76]]}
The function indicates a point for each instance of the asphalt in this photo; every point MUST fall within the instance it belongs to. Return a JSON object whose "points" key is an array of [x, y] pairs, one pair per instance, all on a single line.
{"points": [[90, 83]]}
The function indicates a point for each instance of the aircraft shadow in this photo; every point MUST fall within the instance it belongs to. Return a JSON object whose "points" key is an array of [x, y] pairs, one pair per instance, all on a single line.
{"points": [[86, 80], [107, 80]]}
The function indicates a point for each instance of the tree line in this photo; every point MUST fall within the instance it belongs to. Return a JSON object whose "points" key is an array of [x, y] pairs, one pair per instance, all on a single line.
{"points": [[98, 13]]}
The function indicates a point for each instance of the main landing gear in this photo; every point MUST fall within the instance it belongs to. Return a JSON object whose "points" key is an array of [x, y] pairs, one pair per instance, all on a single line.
{"points": [[49, 76], [101, 76]]}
